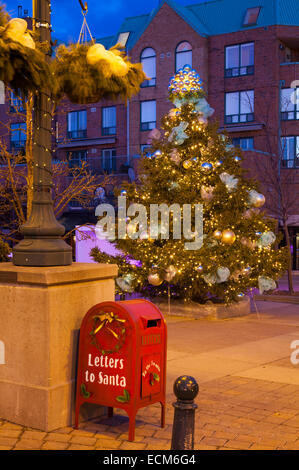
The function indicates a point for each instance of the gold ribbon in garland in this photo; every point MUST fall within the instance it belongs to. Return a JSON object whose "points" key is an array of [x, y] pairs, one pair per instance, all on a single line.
{"points": [[107, 318]]}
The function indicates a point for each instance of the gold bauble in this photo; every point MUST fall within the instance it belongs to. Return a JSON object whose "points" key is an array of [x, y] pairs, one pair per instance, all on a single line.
{"points": [[259, 201], [228, 237], [187, 164], [155, 279], [217, 234]]}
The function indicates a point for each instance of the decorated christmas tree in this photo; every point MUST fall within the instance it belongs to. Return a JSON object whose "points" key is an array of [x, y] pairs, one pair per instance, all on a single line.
{"points": [[193, 165], [4, 252]]}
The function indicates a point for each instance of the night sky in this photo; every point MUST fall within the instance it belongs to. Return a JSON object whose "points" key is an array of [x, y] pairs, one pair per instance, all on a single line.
{"points": [[104, 17]]}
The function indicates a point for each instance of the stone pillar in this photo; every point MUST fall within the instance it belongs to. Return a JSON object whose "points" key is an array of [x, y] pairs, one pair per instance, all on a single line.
{"points": [[41, 310]]}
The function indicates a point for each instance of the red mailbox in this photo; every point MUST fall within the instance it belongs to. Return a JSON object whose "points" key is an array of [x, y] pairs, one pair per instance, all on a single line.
{"points": [[122, 358]]}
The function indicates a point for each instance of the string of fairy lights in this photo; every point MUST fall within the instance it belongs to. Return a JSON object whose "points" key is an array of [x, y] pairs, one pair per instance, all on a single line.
{"points": [[193, 164]]}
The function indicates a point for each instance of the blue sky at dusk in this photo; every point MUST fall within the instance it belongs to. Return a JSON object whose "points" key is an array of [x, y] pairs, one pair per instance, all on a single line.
{"points": [[104, 17]]}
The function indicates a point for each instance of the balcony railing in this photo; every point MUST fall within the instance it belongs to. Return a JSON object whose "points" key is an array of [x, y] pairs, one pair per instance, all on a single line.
{"points": [[237, 118], [148, 83], [290, 163], [79, 134], [17, 146], [289, 115], [148, 126], [108, 130], [239, 71]]}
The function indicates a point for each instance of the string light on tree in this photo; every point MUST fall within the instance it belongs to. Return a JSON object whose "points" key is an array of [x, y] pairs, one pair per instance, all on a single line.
{"points": [[194, 164]]}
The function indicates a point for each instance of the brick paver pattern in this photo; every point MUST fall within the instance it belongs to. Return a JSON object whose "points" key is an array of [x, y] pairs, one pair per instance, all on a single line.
{"points": [[233, 413]]}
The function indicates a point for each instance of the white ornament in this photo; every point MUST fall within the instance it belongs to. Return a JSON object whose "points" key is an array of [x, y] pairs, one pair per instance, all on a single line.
{"points": [[230, 181], [266, 239], [207, 193], [175, 156], [125, 282], [265, 284], [115, 63], [170, 273], [16, 30], [222, 274]]}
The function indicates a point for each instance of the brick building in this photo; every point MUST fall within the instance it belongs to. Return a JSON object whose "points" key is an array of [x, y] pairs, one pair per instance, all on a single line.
{"points": [[247, 54]]}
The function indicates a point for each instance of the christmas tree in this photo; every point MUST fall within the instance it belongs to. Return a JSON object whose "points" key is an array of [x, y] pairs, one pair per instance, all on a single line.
{"points": [[4, 252], [192, 164]]}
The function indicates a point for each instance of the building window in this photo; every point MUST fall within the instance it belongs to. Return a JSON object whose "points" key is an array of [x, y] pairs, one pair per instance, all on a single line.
{"points": [[148, 115], [76, 158], [148, 60], [77, 125], [16, 103], [109, 120], [239, 60], [123, 39], [18, 137], [290, 152], [244, 143], [109, 160], [239, 107], [289, 104], [183, 55], [251, 16]]}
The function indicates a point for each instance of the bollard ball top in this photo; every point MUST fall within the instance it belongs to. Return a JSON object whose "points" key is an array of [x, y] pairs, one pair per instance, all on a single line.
{"points": [[185, 388]]}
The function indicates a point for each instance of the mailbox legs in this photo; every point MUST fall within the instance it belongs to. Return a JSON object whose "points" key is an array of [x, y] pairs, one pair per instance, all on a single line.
{"points": [[132, 418]]}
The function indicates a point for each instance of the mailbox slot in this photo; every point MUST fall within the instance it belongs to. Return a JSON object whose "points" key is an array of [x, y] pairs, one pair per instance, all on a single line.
{"points": [[150, 322]]}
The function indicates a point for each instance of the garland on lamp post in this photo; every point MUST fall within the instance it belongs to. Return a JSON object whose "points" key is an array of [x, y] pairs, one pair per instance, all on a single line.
{"points": [[42, 244], [84, 73]]}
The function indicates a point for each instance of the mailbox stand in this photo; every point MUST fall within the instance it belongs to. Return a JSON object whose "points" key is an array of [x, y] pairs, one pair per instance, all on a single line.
{"points": [[122, 358]]}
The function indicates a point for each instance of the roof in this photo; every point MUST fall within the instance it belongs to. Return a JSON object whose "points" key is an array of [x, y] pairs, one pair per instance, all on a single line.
{"points": [[210, 18]]}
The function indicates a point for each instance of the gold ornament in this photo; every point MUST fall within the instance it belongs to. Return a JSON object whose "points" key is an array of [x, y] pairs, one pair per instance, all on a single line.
{"points": [[256, 199], [187, 164], [155, 279], [217, 234], [228, 237]]}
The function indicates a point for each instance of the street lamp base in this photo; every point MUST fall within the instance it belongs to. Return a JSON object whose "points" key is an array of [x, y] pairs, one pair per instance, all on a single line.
{"points": [[42, 252]]}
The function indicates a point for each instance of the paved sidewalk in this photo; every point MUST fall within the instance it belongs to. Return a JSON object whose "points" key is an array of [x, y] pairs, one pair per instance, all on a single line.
{"points": [[248, 390]]}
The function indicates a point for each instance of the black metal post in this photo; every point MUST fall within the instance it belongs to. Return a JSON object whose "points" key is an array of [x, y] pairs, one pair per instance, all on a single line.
{"points": [[185, 389], [43, 244]]}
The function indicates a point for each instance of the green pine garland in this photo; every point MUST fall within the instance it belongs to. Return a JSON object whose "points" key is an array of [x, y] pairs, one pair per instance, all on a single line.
{"points": [[4, 252], [83, 83], [21, 67]]}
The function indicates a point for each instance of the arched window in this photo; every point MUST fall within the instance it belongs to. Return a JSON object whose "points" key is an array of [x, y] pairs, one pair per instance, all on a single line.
{"points": [[148, 60], [183, 55]]}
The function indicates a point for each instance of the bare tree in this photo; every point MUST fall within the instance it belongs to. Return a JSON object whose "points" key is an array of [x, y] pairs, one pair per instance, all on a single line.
{"points": [[16, 178], [279, 183]]}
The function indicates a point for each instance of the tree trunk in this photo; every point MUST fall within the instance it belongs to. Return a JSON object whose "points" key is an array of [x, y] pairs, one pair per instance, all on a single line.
{"points": [[290, 264]]}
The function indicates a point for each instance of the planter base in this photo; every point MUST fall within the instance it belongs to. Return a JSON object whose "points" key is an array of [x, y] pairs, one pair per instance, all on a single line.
{"points": [[290, 299], [207, 311], [41, 314]]}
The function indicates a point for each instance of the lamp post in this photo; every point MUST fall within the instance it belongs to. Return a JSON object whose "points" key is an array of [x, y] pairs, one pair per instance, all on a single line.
{"points": [[43, 244]]}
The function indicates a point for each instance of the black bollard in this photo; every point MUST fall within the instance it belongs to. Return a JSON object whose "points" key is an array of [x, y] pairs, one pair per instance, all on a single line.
{"points": [[185, 389]]}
